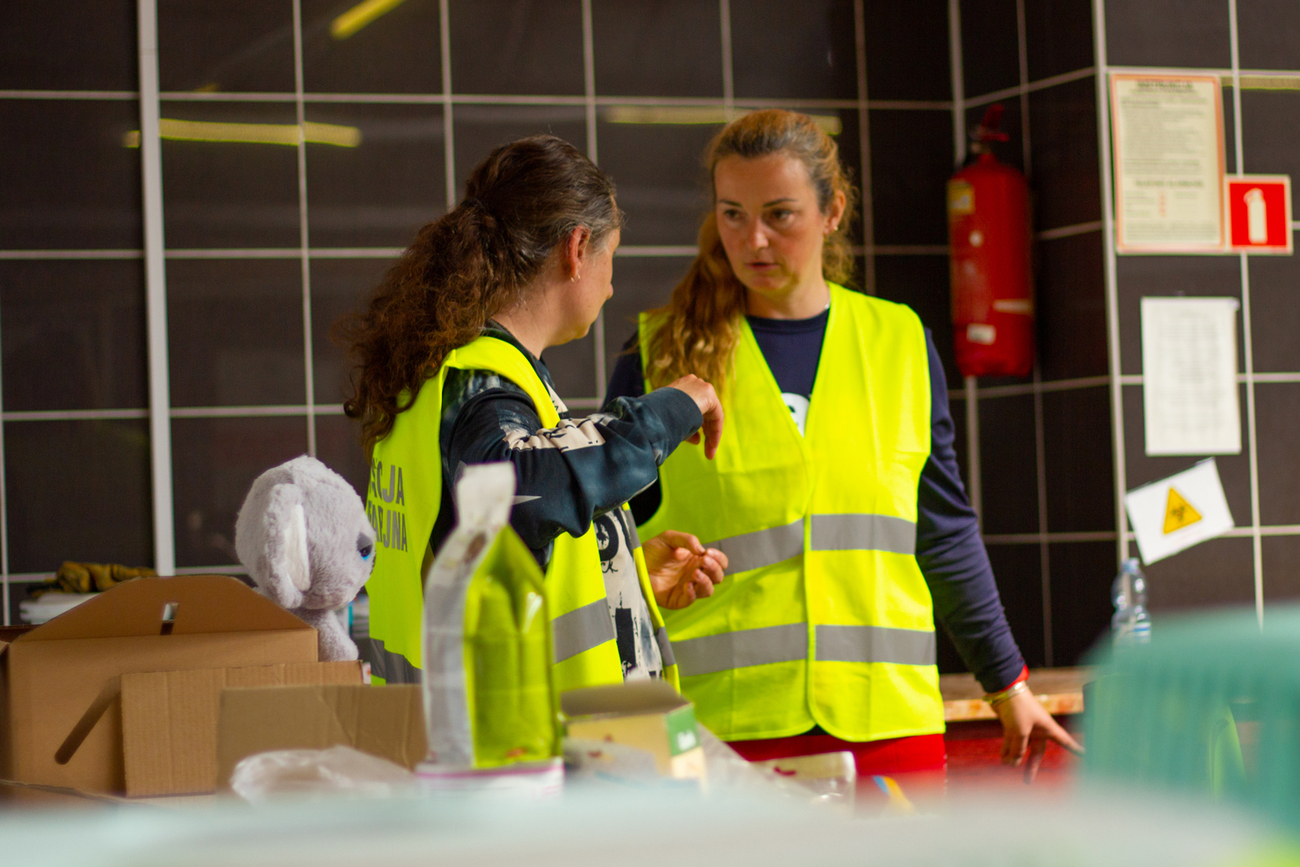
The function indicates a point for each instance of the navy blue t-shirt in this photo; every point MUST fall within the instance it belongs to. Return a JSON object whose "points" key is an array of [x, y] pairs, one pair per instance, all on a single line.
{"points": [[949, 549]]}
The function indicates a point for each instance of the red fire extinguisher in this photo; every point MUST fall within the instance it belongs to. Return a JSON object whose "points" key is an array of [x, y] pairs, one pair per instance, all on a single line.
{"points": [[989, 245]]}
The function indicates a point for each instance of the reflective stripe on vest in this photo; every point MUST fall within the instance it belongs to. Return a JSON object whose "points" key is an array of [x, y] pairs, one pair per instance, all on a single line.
{"points": [[582, 629], [789, 643], [829, 533], [384, 664], [825, 618]]}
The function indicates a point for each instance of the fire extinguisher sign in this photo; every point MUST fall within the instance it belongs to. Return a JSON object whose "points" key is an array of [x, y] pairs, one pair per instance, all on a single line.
{"points": [[1259, 213]]}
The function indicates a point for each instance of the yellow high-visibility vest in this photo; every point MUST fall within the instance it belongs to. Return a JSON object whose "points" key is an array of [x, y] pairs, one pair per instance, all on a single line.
{"points": [[403, 501], [825, 618]]}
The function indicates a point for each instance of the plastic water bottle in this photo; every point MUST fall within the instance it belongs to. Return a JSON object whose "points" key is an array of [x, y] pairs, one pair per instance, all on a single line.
{"points": [[1131, 623]]}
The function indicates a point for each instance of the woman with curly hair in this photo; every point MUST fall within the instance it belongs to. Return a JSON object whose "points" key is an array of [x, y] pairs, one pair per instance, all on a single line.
{"points": [[448, 372], [835, 490]]}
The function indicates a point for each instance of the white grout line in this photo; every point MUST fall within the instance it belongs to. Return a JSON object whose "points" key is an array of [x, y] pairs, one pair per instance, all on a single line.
{"points": [[1045, 387], [958, 83], [69, 254], [907, 249], [1051, 538], [270, 410], [593, 153], [1112, 286], [309, 375], [628, 250], [449, 144], [1031, 87], [1257, 546], [633, 250], [869, 249], [1069, 231], [1040, 437], [74, 415], [69, 94], [728, 73], [160, 440], [4, 517]]}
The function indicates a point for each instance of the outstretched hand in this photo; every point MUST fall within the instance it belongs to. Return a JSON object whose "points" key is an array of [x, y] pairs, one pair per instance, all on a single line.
{"points": [[1026, 728], [710, 407], [681, 569]]}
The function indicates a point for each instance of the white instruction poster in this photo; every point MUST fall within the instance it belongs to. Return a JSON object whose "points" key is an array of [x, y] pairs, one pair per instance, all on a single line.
{"points": [[1167, 133], [1176, 513], [1189, 376]]}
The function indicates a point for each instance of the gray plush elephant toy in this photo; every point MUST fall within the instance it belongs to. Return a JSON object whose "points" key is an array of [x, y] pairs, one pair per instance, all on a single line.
{"points": [[304, 537]]}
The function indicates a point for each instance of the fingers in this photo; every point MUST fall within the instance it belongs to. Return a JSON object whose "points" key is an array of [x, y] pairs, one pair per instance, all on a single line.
{"points": [[1014, 746], [712, 430], [683, 541], [1062, 737], [694, 439], [703, 585], [1037, 749], [712, 569]]}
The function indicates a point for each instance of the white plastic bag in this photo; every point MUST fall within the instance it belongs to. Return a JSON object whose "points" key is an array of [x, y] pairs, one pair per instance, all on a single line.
{"points": [[339, 771]]}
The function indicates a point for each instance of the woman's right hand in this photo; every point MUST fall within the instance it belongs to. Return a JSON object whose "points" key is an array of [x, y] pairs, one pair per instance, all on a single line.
{"points": [[710, 407]]}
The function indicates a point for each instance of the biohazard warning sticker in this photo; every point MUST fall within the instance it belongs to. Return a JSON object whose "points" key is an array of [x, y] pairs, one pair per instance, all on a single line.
{"points": [[1176, 513]]}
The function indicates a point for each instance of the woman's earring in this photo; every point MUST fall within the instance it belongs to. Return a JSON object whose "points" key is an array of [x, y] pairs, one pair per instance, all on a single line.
{"points": [[575, 278]]}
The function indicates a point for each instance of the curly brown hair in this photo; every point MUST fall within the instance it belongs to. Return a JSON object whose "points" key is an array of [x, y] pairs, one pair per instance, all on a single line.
{"points": [[483, 257], [698, 330]]}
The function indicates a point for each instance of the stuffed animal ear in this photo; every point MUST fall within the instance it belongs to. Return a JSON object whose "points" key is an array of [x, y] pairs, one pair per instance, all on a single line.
{"points": [[285, 523]]}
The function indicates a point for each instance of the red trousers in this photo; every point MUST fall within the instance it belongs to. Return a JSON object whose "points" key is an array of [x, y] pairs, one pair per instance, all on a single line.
{"points": [[916, 754]]}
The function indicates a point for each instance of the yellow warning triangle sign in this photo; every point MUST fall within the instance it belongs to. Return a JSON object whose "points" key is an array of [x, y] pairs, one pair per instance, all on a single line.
{"points": [[1178, 512]]}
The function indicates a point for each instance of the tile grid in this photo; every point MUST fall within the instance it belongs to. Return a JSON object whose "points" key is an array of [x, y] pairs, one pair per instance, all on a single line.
{"points": [[1040, 447], [160, 432], [864, 144], [1233, 77], [1256, 542], [448, 99], [305, 258]]}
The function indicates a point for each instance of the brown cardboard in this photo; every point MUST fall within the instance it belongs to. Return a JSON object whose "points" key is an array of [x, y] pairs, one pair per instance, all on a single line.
{"points": [[385, 721], [648, 714], [169, 720], [60, 703]]}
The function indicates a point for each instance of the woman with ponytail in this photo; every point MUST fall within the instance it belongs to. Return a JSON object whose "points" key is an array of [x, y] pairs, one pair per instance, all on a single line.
{"points": [[834, 492], [447, 372]]}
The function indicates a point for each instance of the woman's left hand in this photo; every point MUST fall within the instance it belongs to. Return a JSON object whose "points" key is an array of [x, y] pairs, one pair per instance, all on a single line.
{"points": [[681, 569], [1026, 728]]}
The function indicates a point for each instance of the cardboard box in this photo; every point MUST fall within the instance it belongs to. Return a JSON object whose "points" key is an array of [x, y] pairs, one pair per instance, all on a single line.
{"points": [[385, 721], [647, 714], [169, 720], [60, 683]]}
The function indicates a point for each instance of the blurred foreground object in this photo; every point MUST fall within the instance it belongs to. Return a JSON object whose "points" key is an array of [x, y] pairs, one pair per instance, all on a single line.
{"points": [[1210, 705], [339, 771]]}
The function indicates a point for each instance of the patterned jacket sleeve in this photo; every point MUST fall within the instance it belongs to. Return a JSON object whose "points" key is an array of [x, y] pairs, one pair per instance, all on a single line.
{"points": [[569, 474]]}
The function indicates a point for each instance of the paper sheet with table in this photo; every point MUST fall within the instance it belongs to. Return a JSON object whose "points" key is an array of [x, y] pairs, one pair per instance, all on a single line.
{"points": [[1189, 376]]}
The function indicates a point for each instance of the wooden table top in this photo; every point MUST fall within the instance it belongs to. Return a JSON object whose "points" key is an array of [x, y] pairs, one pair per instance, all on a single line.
{"points": [[1059, 689]]}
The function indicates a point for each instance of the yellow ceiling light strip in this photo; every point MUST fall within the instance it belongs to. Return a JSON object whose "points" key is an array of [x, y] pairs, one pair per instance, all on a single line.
{"points": [[359, 16], [697, 114], [252, 133]]}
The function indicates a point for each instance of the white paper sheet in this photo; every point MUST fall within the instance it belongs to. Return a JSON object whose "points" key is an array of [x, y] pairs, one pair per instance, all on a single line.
{"points": [[1189, 376], [1176, 513], [1168, 139]]}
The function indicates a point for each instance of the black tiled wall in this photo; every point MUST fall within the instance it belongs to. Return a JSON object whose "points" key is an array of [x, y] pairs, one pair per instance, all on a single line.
{"points": [[1196, 36]]}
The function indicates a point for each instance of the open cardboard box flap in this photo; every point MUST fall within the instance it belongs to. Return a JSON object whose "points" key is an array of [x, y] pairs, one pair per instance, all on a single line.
{"points": [[200, 604], [622, 699], [60, 684], [385, 721]]}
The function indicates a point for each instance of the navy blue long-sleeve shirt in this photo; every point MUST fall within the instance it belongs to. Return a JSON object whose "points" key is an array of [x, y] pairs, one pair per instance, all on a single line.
{"points": [[949, 549]]}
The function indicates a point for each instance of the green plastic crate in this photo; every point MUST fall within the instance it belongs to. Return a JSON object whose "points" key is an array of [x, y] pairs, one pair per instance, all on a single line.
{"points": [[1211, 705]]}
